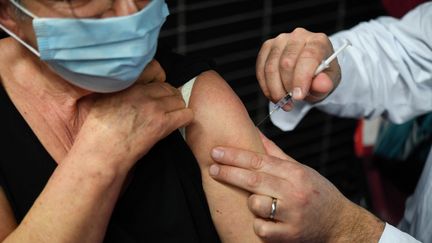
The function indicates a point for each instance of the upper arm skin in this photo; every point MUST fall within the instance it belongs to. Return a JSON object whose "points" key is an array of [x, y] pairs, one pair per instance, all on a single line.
{"points": [[221, 119], [7, 222]]}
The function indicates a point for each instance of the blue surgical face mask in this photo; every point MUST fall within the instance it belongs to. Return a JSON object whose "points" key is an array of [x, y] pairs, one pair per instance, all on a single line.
{"points": [[100, 55]]}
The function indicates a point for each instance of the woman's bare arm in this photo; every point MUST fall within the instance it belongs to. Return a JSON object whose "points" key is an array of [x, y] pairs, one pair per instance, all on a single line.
{"points": [[77, 202], [221, 119], [74, 206], [6, 215]]}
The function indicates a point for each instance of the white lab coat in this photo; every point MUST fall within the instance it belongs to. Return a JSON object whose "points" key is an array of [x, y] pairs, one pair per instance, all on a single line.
{"points": [[387, 72]]}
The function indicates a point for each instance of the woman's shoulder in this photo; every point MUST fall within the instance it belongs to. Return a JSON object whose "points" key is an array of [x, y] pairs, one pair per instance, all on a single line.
{"points": [[12, 53], [179, 68], [9, 48], [5, 47], [212, 90]]}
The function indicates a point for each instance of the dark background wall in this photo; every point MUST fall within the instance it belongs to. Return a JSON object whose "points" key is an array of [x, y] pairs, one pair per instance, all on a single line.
{"points": [[231, 33]]}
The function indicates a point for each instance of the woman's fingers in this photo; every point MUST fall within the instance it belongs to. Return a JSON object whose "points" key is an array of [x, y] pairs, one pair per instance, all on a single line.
{"points": [[153, 72], [156, 90], [132, 121], [171, 103], [180, 118]]}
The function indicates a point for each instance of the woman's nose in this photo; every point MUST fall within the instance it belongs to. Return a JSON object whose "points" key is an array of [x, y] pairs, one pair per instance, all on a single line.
{"points": [[122, 8]]}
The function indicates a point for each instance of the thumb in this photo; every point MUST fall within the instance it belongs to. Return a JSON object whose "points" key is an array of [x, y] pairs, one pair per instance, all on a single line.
{"points": [[322, 85], [153, 72]]}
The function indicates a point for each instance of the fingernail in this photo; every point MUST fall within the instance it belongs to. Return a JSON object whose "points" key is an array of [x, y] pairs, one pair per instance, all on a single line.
{"points": [[217, 153], [297, 93], [214, 170]]}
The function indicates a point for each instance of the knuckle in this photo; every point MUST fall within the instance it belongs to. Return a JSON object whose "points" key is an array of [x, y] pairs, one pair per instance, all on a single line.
{"points": [[263, 231], [223, 173], [255, 203], [254, 180], [226, 174], [299, 30], [233, 156], [151, 65], [287, 63], [169, 90], [270, 68], [321, 38], [299, 173], [256, 162], [310, 53], [268, 43], [302, 199], [282, 36]]}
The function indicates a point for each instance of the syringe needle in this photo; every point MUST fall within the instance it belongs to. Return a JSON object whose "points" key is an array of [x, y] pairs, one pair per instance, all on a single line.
{"points": [[269, 114], [281, 103]]}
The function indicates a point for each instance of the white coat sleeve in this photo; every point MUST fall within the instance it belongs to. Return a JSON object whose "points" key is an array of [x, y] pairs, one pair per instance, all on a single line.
{"points": [[393, 235], [387, 71]]}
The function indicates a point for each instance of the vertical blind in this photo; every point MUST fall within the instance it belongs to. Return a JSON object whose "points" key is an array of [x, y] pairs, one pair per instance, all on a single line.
{"points": [[231, 33]]}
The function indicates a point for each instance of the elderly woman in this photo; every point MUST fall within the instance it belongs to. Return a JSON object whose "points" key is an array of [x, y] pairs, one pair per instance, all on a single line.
{"points": [[90, 147]]}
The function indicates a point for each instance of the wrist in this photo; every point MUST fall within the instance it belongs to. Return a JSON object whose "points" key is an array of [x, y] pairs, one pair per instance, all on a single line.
{"points": [[109, 158], [104, 167], [356, 224]]}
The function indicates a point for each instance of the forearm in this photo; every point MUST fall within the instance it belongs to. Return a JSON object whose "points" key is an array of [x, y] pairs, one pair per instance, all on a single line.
{"points": [[387, 71], [75, 205]]}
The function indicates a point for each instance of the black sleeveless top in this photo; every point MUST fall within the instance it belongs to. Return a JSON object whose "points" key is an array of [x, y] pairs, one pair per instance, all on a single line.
{"points": [[165, 201]]}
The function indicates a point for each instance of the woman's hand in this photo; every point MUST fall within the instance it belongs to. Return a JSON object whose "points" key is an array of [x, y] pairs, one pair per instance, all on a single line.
{"points": [[288, 62], [125, 125], [308, 208]]}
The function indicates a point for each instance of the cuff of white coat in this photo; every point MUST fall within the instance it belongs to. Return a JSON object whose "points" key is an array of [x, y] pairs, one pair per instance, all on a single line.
{"points": [[287, 121], [394, 235]]}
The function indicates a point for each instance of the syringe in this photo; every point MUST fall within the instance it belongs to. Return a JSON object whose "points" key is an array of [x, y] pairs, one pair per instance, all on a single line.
{"points": [[323, 66]]}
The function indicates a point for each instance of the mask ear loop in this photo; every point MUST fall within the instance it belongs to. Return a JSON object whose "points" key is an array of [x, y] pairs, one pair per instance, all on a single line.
{"points": [[24, 10], [13, 35], [20, 41]]}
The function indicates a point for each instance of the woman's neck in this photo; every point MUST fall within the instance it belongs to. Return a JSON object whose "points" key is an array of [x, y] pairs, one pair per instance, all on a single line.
{"points": [[54, 109]]}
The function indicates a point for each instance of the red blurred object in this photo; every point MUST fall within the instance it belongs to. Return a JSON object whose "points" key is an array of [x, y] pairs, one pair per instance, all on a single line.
{"points": [[398, 8], [387, 202], [360, 149]]}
